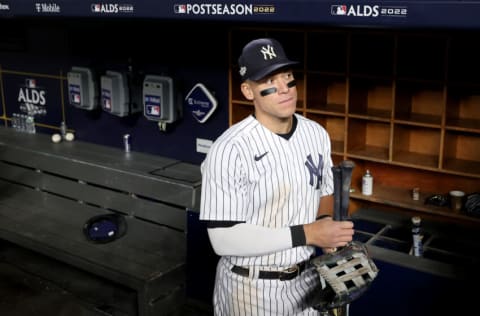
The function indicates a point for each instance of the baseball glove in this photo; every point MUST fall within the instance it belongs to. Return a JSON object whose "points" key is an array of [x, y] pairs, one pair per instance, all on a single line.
{"points": [[345, 275]]}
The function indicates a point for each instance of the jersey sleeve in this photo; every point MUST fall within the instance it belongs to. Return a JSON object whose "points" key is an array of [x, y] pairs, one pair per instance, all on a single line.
{"points": [[223, 195], [250, 240]]}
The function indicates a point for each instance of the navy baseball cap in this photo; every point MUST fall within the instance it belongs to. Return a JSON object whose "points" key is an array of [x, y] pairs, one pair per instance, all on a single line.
{"points": [[261, 57], [105, 228]]}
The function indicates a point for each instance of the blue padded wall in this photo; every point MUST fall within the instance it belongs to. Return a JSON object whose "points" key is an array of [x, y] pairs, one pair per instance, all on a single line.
{"points": [[44, 50]]}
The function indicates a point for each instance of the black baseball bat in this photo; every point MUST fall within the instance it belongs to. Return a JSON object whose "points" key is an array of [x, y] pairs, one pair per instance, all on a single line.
{"points": [[337, 192], [347, 168]]}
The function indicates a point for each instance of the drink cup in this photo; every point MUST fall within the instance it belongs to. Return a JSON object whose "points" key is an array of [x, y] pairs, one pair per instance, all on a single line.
{"points": [[456, 200]]}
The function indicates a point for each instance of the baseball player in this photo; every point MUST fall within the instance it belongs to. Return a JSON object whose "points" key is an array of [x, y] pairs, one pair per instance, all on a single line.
{"points": [[267, 195]]}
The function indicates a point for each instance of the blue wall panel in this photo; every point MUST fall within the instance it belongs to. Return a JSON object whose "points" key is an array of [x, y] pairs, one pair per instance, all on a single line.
{"points": [[45, 51]]}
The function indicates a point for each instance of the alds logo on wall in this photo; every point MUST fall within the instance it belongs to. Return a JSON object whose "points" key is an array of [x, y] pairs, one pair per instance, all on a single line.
{"points": [[32, 98], [111, 8], [371, 11]]}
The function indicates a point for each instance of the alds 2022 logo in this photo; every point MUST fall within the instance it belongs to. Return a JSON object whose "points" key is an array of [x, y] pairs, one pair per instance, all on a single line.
{"points": [[368, 10]]}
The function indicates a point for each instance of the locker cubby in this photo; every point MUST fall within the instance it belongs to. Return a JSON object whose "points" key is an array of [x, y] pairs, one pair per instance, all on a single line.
{"points": [[326, 93], [464, 64], [421, 57], [371, 98], [240, 111], [416, 146], [300, 89], [368, 139], [335, 127], [421, 103], [463, 104], [462, 152], [236, 92], [372, 54], [327, 52]]}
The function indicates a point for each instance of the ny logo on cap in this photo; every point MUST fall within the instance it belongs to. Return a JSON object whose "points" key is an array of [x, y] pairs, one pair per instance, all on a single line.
{"points": [[268, 52]]}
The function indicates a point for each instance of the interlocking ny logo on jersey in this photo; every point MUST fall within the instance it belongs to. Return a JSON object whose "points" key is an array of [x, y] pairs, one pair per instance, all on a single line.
{"points": [[315, 171], [268, 52]]}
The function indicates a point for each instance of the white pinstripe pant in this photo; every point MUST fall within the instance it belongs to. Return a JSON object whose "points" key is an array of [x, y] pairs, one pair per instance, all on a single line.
{"points": [[235, 295]]}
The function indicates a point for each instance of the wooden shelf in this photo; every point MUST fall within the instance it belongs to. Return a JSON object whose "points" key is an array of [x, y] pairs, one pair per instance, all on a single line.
{"points": [[417, 119], [463, 125], [462, 152], [402, 198], [420, 103], [366, 138], [335, 127], [330, 109], [374, 153], [416, 159], [467, 167], [326, 93], [373, 115], [416, 145], [371, 98]]}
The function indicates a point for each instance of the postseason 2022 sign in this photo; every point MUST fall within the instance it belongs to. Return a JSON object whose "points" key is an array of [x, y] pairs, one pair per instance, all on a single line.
{"points": [[398, 14]]}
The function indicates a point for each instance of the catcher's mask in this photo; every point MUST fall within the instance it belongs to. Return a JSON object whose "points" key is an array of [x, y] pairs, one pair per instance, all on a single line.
{"points": [[105, 228]]}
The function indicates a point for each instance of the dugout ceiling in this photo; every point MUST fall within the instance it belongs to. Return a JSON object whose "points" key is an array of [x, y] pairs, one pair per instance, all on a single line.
{"points": [[397, 14]]}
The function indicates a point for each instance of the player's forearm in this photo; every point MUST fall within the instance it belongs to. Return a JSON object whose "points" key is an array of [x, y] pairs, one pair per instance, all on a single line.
{"points": [[251, 240]]}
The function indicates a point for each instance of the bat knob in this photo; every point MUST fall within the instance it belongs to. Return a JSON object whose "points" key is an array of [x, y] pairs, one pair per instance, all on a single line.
{"points": [[347, 164]]}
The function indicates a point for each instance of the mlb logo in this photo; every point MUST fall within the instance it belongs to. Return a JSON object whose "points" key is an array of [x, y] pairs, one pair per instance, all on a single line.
{"points": [[180, 8], [339, 10], [97, 8], [154, 110], [76, 98], [30, 83]]}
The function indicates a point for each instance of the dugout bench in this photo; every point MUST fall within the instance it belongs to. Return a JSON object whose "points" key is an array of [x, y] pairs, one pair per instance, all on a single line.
{"points": [[49, 190]]}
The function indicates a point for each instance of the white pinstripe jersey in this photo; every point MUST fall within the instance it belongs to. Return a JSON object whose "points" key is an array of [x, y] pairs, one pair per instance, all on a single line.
{"points": [[253, 175]]}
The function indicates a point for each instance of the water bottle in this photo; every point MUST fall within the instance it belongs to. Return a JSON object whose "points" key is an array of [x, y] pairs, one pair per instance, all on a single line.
{"points": [[367, 183], [15, 121], [30, 124], [126, 143], [417, 236], [22, 123], [63, 129]]}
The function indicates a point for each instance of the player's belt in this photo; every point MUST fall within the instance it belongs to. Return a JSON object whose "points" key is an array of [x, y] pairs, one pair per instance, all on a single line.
{"points": [[287, 274]]}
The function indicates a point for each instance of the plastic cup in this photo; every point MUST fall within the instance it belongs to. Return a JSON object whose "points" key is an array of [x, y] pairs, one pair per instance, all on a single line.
{"points": [[456, 200]]}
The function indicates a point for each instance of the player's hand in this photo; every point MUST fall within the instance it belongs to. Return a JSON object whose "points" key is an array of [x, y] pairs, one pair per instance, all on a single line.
{"points": [[328, 250], [327, 233]]}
